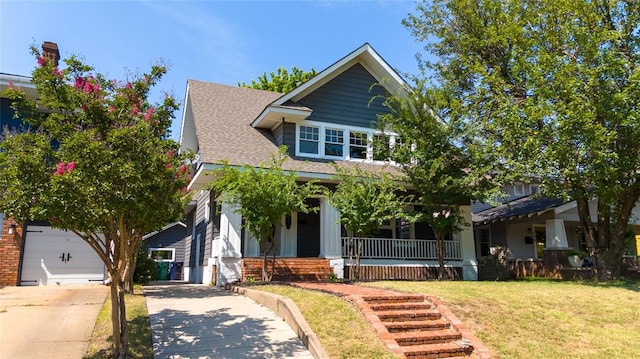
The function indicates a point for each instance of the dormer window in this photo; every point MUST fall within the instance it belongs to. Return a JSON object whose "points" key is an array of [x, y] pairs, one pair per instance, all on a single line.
{"points": [[358, 145], [309, 139]]}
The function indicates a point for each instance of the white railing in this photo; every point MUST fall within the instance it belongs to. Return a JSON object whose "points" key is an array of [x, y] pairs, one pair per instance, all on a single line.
{"points": [[385, 248]]}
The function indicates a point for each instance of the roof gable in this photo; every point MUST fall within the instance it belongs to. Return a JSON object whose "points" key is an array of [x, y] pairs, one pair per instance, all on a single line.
{"points": [[365, 55]]}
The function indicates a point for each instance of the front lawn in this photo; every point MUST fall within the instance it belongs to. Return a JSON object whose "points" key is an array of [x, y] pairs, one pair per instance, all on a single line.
{"points": [[543, 318]]}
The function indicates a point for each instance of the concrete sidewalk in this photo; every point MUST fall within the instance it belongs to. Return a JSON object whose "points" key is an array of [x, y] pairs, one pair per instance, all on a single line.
{"points": [[197, 321]]}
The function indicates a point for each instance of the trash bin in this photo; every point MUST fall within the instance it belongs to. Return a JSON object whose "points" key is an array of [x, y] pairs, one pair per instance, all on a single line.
{"points": [[172, 271], [163, 270]]}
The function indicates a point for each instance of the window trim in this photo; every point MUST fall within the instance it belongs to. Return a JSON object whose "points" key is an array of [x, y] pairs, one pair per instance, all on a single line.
{"points": [[172, 250], [325, 142], [346, 131]]}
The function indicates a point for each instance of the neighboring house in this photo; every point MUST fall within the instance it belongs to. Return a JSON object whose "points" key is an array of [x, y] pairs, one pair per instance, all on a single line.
{"points": [[168, 245], [329, 119], [35, 253], [528, 224]]}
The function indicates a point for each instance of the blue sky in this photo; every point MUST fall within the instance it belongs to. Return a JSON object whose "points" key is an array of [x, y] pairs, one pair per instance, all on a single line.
{"points": [[217, 41]]}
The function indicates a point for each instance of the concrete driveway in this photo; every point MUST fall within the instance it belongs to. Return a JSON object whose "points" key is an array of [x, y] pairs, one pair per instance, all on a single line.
{"points": [[48, 321]]}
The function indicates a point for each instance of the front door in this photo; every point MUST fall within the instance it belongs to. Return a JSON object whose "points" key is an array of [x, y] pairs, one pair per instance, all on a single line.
{"points": [[308, 238]]}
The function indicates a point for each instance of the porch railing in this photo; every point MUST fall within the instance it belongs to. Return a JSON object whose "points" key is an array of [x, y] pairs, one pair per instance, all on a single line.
{"points": [[385, 248]]}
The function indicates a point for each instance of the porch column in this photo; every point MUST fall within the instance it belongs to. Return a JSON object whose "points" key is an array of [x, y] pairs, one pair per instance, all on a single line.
{"points": [[230, 255], [330, 241], [329, 230], [468, 246], [556, 234]]}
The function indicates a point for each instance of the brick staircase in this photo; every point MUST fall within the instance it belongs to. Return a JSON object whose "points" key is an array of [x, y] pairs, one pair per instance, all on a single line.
{"points": [[415, 325], [288, 269]]}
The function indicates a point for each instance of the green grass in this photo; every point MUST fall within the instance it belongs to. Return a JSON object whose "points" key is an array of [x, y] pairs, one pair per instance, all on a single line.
{"points": [[140, 346], [341, 329], [543, 318]]}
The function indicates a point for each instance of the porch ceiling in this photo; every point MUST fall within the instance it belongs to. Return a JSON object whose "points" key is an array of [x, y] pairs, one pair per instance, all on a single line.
{"points": [[522, 207]]}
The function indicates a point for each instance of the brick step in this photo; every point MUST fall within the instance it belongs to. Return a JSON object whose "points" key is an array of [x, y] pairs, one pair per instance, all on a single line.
{"points": [[402, 298], [415, 326], [401, 306], [407, 315], [438, 350], [430, 337]]}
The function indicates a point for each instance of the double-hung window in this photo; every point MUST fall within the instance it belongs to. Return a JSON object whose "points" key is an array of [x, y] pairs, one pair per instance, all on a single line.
{"points": [[309, 139], [381, 147], [358, 145], [334, 143]]}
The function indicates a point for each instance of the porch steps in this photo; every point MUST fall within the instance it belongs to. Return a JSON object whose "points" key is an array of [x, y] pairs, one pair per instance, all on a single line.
{"points": [[418, 327], [288, 269]]}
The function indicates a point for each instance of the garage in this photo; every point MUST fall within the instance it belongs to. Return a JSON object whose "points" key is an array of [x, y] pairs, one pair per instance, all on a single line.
{"points": [[56, 257]]}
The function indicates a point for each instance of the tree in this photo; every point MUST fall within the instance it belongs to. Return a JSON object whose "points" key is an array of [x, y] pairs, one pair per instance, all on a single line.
{"points": [[365, 201], [263, 196], [553, 87], [281, 81], [97, 162], [440, 161]]}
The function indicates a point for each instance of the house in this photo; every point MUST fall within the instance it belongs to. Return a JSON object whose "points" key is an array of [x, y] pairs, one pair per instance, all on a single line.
{"points": [[329, 119], [530, 225], [167, 246], [34, 253]]}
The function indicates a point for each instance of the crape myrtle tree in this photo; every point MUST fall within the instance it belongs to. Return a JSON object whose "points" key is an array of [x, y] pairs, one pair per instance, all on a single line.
{"points": [[262, 196], [281, 80], [445, 167], [554, 89], [365, 201], [96, 161]]}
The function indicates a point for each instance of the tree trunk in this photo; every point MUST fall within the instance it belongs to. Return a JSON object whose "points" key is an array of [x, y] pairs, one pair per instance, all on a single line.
{"points": [[358, 255], [440, 255], [351, 270], [119, 318]]}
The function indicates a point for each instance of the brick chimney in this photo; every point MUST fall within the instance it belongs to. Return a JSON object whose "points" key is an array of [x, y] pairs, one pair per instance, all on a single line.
{"points": [[50, 52]]}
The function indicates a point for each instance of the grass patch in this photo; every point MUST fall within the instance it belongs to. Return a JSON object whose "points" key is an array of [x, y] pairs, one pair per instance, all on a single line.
{"points": [[341, 329], [140, 346], [543, 318]]}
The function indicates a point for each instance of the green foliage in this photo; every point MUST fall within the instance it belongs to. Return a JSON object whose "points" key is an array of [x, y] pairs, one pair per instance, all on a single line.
{"points": [[97, 161], [552, 89], [146, 269], [263, 196], [281, 81], [365, 201]]}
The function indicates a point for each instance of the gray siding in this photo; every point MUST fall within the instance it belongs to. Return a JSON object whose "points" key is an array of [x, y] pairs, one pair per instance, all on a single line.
{"points": [[188, 243], [285, 134], [346, 99], [173, 237], [207, 230]]}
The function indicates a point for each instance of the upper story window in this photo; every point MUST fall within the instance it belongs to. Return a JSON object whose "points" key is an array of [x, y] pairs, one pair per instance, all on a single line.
{"points": [[358, 145], [518, 189], [309, 139], [534, 189], [333, 141]]}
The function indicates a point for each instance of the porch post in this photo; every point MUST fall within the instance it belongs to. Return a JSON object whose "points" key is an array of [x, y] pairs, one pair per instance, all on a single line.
{"points": [[230, 255], [556, 234], [469, 262], [330, 241]]}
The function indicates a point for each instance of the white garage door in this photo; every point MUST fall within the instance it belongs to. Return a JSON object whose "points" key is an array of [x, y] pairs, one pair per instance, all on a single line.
{"points": [[55, 257]]}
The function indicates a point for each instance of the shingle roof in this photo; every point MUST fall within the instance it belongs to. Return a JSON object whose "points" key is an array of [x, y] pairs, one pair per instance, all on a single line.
{"points": [[222, 117], [524, 206]]}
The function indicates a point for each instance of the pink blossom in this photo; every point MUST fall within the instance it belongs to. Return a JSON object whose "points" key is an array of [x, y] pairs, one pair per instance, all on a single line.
{"points": [[149, 113], [84, 107], [169, 165], [128, 85], [41, 61], [184, 190], [79, 83], [57, 73], [135, 111], [10, 84], [71, 166], [183, 169], [60, 169], [111, 109], [170, 153]]}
